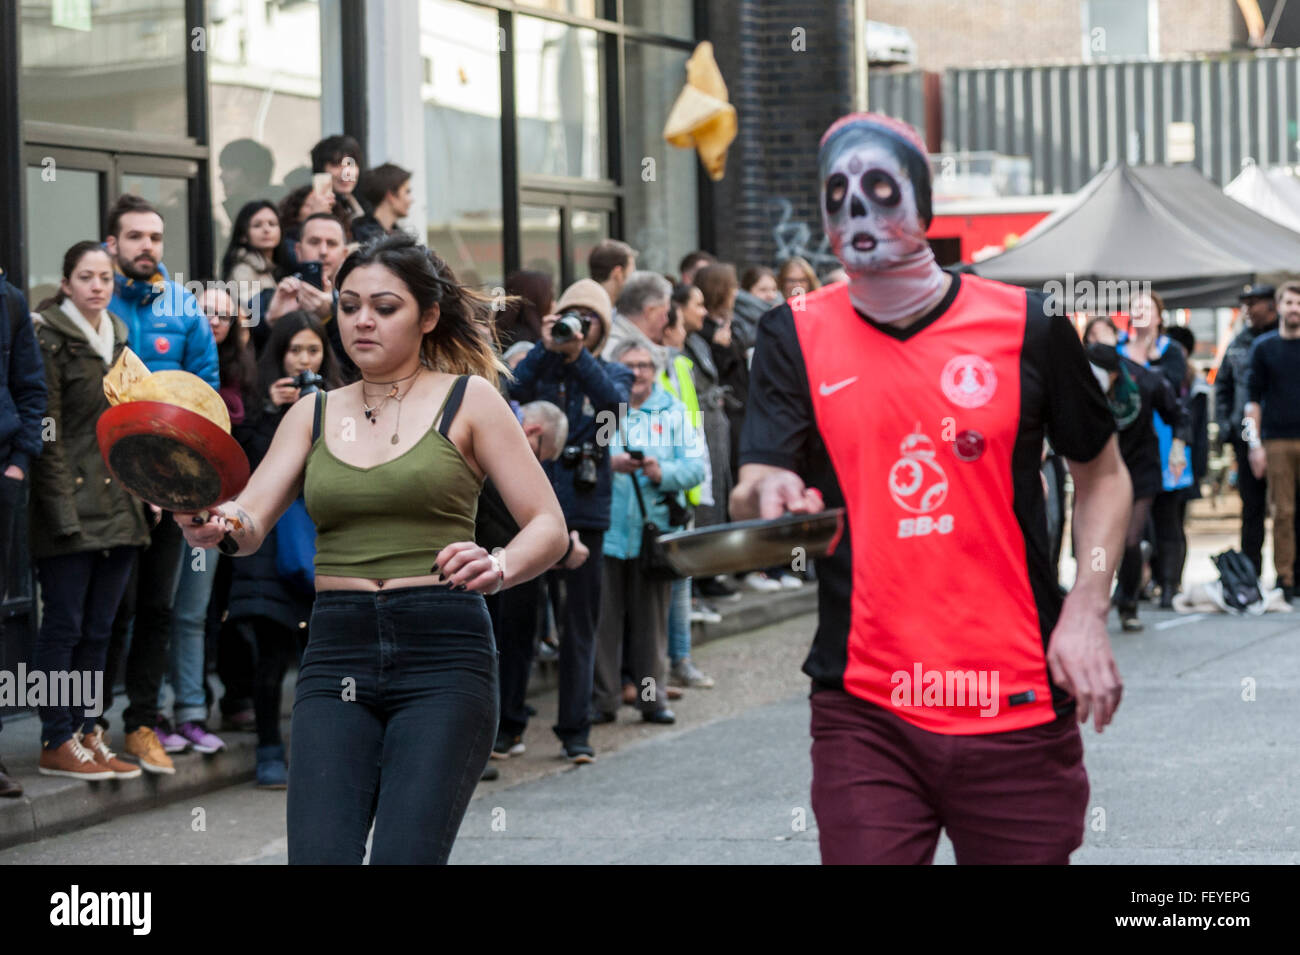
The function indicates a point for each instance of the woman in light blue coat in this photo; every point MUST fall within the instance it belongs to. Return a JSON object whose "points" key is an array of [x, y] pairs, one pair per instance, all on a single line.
{"points": [[656, 451]]}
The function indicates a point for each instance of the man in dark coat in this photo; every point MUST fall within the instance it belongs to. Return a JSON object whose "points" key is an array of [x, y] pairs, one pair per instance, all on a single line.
{"points": [[22, 404]]}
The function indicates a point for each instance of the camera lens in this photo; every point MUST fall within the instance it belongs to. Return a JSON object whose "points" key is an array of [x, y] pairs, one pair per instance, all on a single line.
{"points": [[566, 328], [307, 382]]}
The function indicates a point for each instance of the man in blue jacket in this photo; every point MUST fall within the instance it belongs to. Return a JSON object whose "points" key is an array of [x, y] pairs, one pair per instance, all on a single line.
{"points": [[567, 374], [22, 403], [169, 331]]}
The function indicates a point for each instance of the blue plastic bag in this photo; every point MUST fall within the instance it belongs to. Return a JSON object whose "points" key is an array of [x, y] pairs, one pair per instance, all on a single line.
{"points": [[295, 548]]}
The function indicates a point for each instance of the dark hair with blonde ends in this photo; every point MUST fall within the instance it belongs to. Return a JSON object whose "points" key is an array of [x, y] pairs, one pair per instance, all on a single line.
{"points": [[462, 343]]}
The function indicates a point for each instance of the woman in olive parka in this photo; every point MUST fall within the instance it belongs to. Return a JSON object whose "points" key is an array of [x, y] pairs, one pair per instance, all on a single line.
{"points": [[85, 527]]}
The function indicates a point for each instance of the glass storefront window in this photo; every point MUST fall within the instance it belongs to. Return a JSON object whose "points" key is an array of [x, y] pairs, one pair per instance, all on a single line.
{"points": [[462, 138], [560, 97], [580, 8], [589, 227], [110, 64], [669, 17], [264, 78], [59, 214], [660, 182], [540, 241]]}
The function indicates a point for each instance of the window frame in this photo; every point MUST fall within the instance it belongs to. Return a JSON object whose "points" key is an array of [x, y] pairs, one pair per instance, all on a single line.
{"points": [[564, 191], [1153, 34]]}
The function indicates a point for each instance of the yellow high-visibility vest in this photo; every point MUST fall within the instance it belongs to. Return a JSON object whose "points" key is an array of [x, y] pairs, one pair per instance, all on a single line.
{"points": [[688, 397]]}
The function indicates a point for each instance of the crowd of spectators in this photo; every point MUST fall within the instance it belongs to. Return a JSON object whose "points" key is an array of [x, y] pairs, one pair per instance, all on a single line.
{"points": [[629, 384]]}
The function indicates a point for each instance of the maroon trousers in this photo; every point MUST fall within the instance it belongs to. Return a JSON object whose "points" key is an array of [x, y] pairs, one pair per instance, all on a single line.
{"points": [[883, 788]]}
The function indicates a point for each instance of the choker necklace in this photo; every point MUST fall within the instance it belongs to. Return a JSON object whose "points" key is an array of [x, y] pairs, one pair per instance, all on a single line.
{"points": [[372, 414]]}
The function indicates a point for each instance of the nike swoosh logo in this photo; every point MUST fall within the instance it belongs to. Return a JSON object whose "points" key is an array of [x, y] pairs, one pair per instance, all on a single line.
{"points": [[827, 390]]}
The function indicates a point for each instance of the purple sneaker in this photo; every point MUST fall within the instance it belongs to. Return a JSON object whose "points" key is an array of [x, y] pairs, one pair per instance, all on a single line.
{"points": [[171, 741], [198, 736]]}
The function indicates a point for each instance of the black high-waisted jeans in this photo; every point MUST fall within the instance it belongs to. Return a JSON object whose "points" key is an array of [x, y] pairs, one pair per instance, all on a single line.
{"points": [[394, 717]]}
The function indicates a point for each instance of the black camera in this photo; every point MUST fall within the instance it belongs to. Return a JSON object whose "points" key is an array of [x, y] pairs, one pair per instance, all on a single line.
{"points": [[678, 515], [569, 326], [581, 459], [307, 383]]}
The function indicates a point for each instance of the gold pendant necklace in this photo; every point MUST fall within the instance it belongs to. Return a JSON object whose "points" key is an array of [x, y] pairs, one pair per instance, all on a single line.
{"points": [[372, 414]]}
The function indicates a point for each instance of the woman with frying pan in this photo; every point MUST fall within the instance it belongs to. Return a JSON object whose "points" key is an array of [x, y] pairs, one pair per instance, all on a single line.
{"points": [[395, 709]]}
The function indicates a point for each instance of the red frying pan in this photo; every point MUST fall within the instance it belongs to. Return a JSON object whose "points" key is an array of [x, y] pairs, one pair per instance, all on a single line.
{"points": [[170, 456]]}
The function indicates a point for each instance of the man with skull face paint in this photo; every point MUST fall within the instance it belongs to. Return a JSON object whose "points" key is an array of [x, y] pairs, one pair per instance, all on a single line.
{"points": [[947, 670]]}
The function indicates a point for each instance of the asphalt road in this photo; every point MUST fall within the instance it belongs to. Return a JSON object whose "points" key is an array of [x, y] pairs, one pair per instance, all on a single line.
{"points": [[1199, 767]]}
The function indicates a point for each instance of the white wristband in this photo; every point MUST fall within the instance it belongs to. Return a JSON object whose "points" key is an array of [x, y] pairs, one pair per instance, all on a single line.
{"points": [[498, 559]]}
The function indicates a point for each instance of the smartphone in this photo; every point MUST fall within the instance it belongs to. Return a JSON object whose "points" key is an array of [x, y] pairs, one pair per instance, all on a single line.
{"points": [[310, 272], [637, 456], [322, 183]]}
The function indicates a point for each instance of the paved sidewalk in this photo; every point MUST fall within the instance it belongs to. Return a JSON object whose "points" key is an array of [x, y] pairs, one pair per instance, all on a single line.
{"points": [[51, 805], [1198, 767]]}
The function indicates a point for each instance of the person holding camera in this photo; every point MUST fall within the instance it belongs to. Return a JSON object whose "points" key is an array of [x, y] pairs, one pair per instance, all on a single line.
{"points": [[655, 455], [197, 588], [563, 369], [239, 390], [265, 610]]}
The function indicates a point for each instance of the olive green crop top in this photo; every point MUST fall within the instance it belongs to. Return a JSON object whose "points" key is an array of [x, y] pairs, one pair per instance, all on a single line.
{"points": [[391, 520]]}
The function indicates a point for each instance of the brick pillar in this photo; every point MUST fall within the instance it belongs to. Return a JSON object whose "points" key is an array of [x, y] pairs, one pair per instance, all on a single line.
{"points": [[788, 65]]}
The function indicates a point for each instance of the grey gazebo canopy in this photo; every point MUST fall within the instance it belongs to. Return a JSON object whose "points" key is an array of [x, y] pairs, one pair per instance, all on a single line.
{"points": [[1168, 225]]}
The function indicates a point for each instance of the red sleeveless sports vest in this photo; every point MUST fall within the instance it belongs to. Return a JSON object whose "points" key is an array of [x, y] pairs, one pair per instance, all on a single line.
{"points": [[944, 629]]}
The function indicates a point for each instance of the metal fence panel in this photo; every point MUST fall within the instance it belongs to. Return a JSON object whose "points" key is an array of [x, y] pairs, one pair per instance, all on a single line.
{"points": [[1070, 120]]}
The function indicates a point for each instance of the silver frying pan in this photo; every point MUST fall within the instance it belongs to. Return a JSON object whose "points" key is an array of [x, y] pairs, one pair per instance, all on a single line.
{"points": [[753, 545]]}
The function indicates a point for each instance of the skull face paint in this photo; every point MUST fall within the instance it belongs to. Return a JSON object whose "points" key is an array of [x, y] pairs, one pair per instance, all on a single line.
{"points": [[875, 209], [870, 211]]}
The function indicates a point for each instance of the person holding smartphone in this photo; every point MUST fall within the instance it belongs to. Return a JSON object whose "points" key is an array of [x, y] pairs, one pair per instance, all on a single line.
{"points": [[320, 251], [634, 613]]}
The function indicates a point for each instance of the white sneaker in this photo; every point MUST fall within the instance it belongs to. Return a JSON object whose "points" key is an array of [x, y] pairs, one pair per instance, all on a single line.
{"points": [[703, 613], [759, 581], [684, 673], [789, 582]]}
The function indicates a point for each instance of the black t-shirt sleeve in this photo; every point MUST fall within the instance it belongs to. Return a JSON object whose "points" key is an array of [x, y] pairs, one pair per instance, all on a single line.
{"points": [[1077, 418], [779, 422], [1258, 381]]}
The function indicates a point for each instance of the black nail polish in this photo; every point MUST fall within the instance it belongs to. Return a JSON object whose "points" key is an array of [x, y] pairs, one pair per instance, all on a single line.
{"points": [[434, 570], [460, 587]]}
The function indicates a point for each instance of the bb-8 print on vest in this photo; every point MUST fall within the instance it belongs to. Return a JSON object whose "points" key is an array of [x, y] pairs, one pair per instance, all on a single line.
{"points": [[918, 484]]}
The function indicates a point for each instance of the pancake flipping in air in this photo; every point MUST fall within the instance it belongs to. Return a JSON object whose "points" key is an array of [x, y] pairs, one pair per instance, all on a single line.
{"points": [[130, 380]]}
